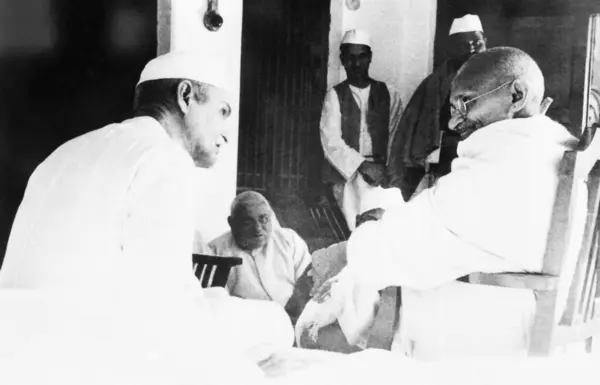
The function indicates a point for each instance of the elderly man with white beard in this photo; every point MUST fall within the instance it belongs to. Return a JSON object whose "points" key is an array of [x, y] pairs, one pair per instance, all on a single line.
{"points": [[490, 214]]}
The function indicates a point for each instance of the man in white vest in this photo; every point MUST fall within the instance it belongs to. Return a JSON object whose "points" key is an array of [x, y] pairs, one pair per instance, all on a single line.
{"points": [[355, 124]]}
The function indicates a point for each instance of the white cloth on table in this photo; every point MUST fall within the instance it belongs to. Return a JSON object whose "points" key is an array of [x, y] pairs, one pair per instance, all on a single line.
{"points": [[344, 158], [106, 226], [490, 214], [269, 273]]}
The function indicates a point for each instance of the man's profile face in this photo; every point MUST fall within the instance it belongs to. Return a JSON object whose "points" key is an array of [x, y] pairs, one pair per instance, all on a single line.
{"points": [[356, 59], [252, 225], [466, 44], [207, 125], [469, 114]]}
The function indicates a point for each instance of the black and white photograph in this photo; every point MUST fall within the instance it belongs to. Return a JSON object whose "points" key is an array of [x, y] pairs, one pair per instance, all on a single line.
{"points": [[299, 192]]}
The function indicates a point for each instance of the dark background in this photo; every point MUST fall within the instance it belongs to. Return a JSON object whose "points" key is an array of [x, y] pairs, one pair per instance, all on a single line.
{"points": [[68, 67], [553, 32]]}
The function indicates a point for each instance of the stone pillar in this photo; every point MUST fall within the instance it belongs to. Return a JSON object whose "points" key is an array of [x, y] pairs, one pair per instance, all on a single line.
{"points": [[181, 27]]}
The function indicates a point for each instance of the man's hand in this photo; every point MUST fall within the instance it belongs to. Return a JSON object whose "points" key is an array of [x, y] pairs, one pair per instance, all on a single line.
{"points": [[373, 173]]}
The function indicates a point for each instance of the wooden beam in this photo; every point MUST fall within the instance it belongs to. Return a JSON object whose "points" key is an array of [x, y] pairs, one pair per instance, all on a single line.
{"points": [[516, 280]]}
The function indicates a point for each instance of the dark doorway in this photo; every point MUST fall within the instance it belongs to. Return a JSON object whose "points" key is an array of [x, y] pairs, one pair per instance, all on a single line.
{"points": [[285, 47]]}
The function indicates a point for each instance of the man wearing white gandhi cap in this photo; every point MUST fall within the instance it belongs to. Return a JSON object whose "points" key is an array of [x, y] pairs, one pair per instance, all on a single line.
{"points": [[423, 147], [98, 275], [355, 124]]}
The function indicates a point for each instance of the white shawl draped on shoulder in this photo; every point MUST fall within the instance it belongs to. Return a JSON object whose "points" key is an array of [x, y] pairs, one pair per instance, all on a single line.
{"points": [[490, 214]]}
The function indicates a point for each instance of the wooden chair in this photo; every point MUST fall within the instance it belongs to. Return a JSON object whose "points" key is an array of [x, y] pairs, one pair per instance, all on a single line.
{"points": [[213, 271], [580, 318]]}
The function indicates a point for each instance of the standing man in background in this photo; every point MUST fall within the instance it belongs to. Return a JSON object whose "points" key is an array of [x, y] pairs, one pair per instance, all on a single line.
{"points": [[355, 125], [422, 143]]}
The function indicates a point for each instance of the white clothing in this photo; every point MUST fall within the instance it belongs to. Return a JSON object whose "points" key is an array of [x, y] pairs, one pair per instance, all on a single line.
{"points": [[106, 225], [186, 65], [349, 197], [375, 366], [344, 158], [490, 214], [267, 274], [467, 23], [356, 36]]}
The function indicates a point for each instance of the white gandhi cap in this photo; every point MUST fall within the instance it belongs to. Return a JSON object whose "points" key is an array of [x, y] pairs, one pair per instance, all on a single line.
{"points": [[186, 65], [356, 36], [467, 23]]}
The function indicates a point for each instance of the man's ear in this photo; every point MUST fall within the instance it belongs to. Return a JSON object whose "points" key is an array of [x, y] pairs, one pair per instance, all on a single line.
{"points": [[519, 96], [184, 95], [230, 221]]}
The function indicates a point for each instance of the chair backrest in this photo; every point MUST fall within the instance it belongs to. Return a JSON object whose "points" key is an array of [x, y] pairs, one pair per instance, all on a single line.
{"points": [[584, 291], [572, 251], [571, 257], [213, 271]]}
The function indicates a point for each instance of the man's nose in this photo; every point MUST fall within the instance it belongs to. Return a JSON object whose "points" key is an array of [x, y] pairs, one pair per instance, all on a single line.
{"points": [[455, 120], [474, 47]]}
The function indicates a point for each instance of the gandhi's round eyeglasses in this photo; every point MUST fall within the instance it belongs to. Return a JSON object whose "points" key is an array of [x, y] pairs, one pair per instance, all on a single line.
{"points": [[462, 104]]}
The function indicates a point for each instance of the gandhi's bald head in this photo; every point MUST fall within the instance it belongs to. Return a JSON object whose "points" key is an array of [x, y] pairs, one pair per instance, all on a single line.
{"points": [[500, 83], [251, 220]]}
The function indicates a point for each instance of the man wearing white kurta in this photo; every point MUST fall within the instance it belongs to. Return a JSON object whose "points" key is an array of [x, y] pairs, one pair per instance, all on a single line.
{"points": [[106, 224], [356, 121], [490, 214], [275, 260]]}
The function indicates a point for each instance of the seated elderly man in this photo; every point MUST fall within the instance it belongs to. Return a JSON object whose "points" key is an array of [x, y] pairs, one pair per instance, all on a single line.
{"points": [[276, 260], [490, 214]]}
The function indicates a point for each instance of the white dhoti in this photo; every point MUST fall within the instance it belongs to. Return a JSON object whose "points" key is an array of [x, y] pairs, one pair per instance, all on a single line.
{"points": [[357, 196]]}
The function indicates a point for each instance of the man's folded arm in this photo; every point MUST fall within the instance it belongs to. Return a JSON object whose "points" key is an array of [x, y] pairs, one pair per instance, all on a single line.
{"points": [[410, 246]]}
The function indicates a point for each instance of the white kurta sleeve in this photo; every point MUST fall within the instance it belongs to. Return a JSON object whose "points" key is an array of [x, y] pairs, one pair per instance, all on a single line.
{"points": [[341, 156], [302, 257], [411, 247], [158, 225]]}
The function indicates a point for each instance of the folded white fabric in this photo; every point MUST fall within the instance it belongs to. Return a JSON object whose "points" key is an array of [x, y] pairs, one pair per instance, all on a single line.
{"points": [[353, 305], [381, 198], [350, 303]]}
